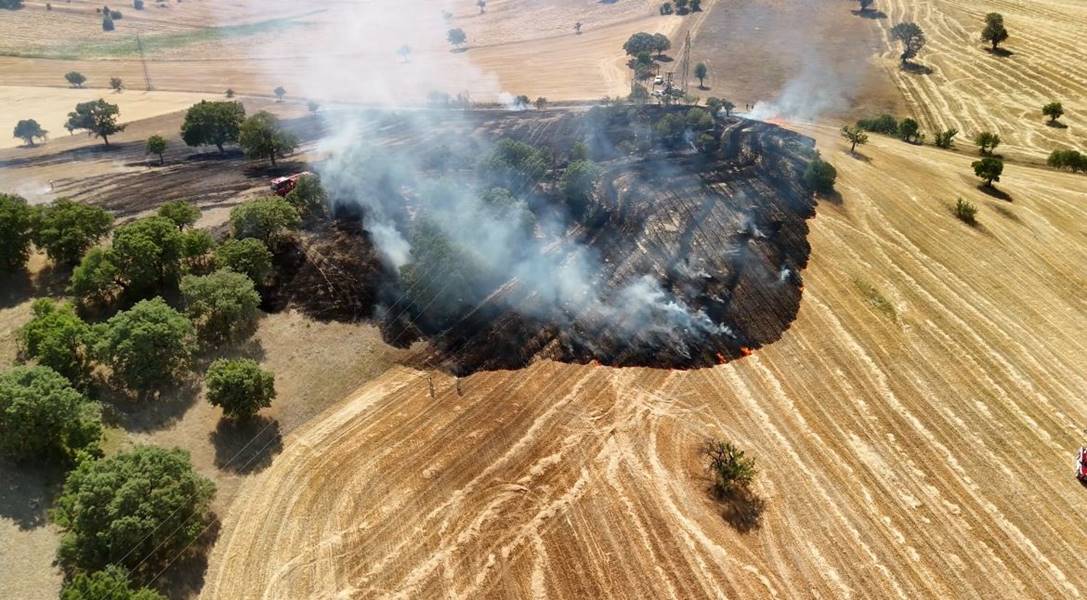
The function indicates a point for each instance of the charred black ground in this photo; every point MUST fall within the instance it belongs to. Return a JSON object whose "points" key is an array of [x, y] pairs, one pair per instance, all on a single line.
{"points": [[719, 222]]}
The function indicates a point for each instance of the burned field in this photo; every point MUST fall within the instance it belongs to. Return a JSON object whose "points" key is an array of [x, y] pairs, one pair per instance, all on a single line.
{"points": [[626, 236]]}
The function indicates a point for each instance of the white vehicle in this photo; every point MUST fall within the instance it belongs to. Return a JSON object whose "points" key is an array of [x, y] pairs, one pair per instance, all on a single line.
{"points": [[658, 80]]}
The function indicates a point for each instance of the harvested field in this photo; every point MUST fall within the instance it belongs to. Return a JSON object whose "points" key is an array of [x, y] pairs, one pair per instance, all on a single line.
{"points": [[924, 453]]}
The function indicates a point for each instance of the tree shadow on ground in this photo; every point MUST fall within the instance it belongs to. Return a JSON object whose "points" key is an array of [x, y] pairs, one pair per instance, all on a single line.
{"points": [[27, 491], [1007, 214], [859, 156], [283, 167], [247, 446], [184, 578], [834, 197], [742, 509], [1056, 125], [1000, 52], [989, 190], [15, 288], [869, 14], [916, 68], [150, 410]]}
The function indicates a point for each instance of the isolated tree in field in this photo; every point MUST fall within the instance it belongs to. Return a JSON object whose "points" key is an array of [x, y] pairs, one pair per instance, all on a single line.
{"points": [[994, 31], [696, 5], [75, 78], [107, 21], [541, 103], [98, 117], [16, 232], [456, 37], [909, 130], [183, 214], [521, 102], [147, 345], [116, 84], [989, 169], [639, 42], [212, 123], [728, 107], [240, 387], [912, 38], [156, 144], [28, 130], [66, 229], [987, 141], [946, 138], [819, 176], [866, 5], [701, 71], [43, 417], [138, 509], [57, 338], [222, 305], [249, 256], [1053, 110], [730, 468], [855, 136], [266, 219], [110, 583], [308, 197], [965, 211], [666, 8], [229, 93], [261, 136], [280, 93], [147, 255]]}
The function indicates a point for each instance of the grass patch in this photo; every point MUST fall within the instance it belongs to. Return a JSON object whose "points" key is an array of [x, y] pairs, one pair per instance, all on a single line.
{"points": [[875, 299], [156, 42]]}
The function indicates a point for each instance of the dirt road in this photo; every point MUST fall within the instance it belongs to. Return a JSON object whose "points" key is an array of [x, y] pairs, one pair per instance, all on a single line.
{"points": [[915, 430]]}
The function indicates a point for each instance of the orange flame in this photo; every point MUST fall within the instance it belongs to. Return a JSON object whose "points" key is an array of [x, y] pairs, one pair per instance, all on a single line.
{"points": [[745, 351], [721, 359], [594, 363]]}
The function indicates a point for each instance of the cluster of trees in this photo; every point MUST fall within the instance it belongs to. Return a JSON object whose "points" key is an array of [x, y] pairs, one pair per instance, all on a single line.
{"points": [[261, 135], [1073, 160], [907, 129], [681, 7], [64, 230], [647, 43]]}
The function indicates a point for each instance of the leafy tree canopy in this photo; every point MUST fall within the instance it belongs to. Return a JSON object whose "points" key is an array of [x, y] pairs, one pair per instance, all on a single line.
{"points": [[156, 144], [249, 256], [222, 305], [147, 345], [98, 117], [240, 387], [75, 78], [213, 123], [67, 229], [43, 416], [110, 583], [266, 219], [28, 130], [57, 338], [912, 38], [261, 136], [182, 213], [147, 254], [95, 280], [16, 222]]}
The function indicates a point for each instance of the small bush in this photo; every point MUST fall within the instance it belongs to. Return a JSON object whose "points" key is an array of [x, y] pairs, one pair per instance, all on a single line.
{"points": [[820, 176], [730, 468], [885, 124], [249, 256], [946, 139], [965, 211], [266, 219]]}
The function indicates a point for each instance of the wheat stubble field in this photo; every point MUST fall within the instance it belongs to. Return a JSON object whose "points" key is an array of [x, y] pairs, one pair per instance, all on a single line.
{"points": [[915, 428]]}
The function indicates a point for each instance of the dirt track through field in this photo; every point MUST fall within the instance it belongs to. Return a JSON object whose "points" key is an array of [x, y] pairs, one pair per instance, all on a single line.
{"points": [[973, 90], [915, 430]]}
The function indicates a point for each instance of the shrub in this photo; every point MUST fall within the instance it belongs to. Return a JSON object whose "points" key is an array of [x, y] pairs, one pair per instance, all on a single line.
{"points": [[987, 141], [885, 124], [107, 22], [137, 4], [43, 416], [138, 509], [249, 256], [75, 78], [1072, 160], [222, 305], [110, 583], [308, 197], [666, 8], [266, 219], [57, 338], [156, 144], [699, 120], [147, 345], [946, 139], [183, 214], [965, 211], [16, 221], [819, 176], [65, 230], [730, 468], [909, 130], [514, 165], [240, 387]]}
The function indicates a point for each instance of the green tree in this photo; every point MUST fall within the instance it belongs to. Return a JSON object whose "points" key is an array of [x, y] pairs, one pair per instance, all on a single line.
{"points": [[222, 305], [156, 144], [912, 38], [147, 345], [457, 37], [515, 165], [866, 5], [197, 248], [75, 78], [240, 387], [701, 71], [855, 136], [577, 184], [66, 229], [147, 253], [266, 219], [987, 141], [262, 136], [96, 279], [110, 583], [640, 42], [819, 176], [1068, 159], [661, 44], [43, 416], [1053, 110], [183, 214], [116, 84], [994, 31], [681, 6], [28, 130], [16, 232], [699, 120], [885, 124], [541, 103], [107, 21], [965, 211], [57, 338], [946, 139], [729, 466], [213, 123], [308, 196], [669, 130], [249, 256], [989, 169], [138, 509], [98, 117], [909, 130], [280, 93]]}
